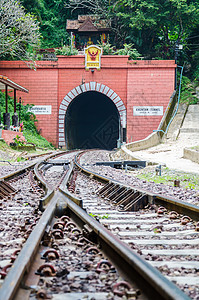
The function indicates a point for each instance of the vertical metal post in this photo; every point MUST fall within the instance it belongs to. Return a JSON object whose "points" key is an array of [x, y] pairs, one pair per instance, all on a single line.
{"points": [[176, 57], [71, 41], [6, 96], [19, 111], [15, 100], [124, 127], [119, 138]]}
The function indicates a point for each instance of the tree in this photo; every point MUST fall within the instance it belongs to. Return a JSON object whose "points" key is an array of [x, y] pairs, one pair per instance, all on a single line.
{"points": [[19, 31], [52, 16], [104, 9], [154, 26], [160, 24]]}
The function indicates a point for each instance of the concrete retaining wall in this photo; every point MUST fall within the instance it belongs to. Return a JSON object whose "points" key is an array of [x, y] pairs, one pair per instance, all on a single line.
{"points": [[191, 154], [126, 151]]}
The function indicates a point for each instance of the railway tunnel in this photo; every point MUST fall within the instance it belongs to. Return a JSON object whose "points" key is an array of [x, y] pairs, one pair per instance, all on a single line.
{"points": [[92, 121]]}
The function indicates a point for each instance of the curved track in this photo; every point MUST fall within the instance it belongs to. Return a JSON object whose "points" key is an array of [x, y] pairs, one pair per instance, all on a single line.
{"points": [[74, 241]]}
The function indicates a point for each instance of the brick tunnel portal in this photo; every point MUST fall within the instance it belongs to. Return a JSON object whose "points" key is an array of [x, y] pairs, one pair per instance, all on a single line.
{"points": [[92, 121]]}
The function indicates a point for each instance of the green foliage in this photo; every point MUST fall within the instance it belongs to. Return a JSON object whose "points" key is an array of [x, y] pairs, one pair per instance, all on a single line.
{"points": [[195, 63], [187, 91], [20, 159], [99, 216], [18, 141], [153, 27], [66, 50], [129, 50], [33, 137], [52, 16], [18, 30], [29, 120], [107, 48]]}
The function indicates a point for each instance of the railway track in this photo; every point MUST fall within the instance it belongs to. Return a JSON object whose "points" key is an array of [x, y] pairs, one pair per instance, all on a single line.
{"points": [[81, 245], [165, 233]]}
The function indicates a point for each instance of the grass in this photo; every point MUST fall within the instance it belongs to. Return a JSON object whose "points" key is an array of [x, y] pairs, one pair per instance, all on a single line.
{"points": [[99, 216], [37, 140], [11, 155], [187, 181], [196, 148], [4, 146]]}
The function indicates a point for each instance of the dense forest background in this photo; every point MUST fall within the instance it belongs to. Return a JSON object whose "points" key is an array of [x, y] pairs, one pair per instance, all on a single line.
{"points": [[157, 29]]}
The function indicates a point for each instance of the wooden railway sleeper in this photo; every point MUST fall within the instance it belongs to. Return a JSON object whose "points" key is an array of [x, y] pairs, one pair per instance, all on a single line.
{"points": [[4, 194], [116, 188], [136, 204], [105, 193], [116, 193], [128, 206], [6, 186], [121, 195], [102, 189], [1, 195], [107, 190], [133, 195]]}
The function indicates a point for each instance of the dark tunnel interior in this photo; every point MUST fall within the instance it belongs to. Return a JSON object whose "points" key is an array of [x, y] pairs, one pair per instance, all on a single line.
{"points": [[92, 121]]}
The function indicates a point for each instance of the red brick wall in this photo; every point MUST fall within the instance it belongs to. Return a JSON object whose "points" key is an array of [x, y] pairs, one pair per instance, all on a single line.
{"points": [[9, 136], [136, 83], [43, 90], [150, 83]]}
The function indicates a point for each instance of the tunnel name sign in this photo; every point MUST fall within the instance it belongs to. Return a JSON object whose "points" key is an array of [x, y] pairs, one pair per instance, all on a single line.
{"points": [[93, 57], [41, 109], [148, 110]]}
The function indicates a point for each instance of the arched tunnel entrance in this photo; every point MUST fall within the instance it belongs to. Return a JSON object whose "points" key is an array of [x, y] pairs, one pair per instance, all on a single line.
{"points": [[92, 121]]}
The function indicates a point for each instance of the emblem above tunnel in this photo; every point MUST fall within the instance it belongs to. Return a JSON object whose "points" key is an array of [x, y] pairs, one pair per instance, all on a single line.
{"points": [[93, 57]]}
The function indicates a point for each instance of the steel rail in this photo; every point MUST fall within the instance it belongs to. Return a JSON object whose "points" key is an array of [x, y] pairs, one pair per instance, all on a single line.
{"points": [[29, 166], [134, 268], [26, 256], [181, 207], [137, 271]]}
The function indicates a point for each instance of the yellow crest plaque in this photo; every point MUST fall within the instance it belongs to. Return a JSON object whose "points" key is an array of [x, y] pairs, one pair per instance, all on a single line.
{"points": [[93, 57]]}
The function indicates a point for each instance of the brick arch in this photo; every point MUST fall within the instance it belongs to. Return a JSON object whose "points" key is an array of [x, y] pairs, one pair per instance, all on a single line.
{"points": [[86, 87]]}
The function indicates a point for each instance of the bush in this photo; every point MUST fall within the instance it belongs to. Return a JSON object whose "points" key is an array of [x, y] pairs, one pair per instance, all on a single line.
{"points": [[66, 50], [29, 120], [187, 91], [107, 48], [129, 50]]}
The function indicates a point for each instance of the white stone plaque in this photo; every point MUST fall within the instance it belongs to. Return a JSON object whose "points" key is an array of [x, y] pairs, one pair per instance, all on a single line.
{"points": [[148, 110], [41, 109]]}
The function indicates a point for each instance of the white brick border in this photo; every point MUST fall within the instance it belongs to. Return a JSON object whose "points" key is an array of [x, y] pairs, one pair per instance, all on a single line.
{"points": [[89, 86]]}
